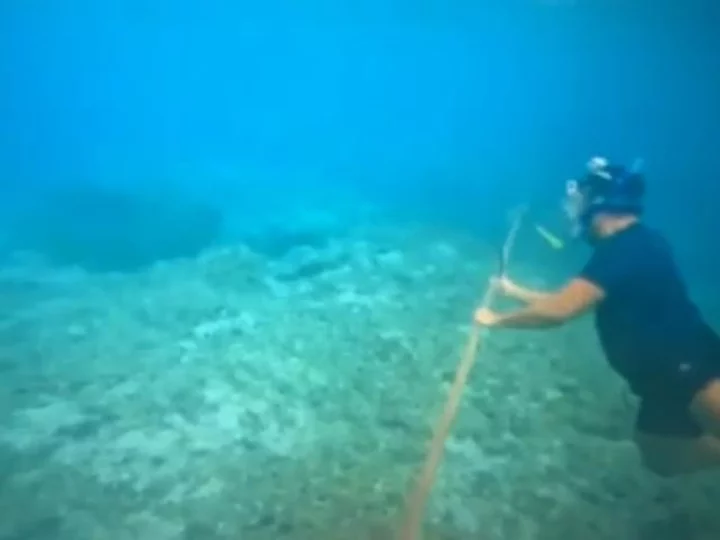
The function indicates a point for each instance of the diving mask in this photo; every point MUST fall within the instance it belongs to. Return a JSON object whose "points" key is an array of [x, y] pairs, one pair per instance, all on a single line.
{"points": [[604, 188]]}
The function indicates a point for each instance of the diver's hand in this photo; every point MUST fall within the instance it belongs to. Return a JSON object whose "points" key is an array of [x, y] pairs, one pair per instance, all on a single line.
{"points": [[503, 285], [486, 317]]}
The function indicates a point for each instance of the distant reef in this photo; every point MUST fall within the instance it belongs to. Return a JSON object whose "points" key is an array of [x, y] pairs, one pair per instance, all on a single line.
{"points": [[101, 228]]}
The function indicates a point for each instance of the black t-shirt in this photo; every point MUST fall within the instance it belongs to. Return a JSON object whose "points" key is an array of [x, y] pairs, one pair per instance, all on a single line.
{"points": [[647, 320]]}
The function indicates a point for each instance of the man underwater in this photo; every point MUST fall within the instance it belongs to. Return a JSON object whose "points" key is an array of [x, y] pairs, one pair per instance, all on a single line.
{"points": [[650, 331]]}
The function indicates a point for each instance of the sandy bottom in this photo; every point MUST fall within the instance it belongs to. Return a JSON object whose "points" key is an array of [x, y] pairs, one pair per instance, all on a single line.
{"points": [[244, 397]]}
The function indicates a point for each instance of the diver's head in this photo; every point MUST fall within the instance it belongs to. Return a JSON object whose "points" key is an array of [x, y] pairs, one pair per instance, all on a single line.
{"points": [[607, 199]]}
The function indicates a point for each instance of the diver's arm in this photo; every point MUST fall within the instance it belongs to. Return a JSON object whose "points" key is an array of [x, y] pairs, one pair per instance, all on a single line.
{"points": [[548, 310], [524, 295]]}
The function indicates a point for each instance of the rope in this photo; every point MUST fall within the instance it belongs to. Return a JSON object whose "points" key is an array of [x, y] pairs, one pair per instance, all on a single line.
{"points": [[417, 501]]}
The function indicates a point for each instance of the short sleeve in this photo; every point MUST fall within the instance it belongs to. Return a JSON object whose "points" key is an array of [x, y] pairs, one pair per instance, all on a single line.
{"points": [[604, 269]]}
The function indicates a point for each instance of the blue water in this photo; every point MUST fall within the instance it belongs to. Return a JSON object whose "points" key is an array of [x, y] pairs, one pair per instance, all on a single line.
{"points": [[240, 247]]}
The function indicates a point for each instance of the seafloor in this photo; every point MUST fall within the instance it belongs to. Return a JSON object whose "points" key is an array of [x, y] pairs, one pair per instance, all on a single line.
{"points": [[256, 395]]}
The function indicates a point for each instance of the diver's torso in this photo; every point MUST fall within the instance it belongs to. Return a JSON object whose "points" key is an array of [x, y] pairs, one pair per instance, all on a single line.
{"points": [[648, 320]]}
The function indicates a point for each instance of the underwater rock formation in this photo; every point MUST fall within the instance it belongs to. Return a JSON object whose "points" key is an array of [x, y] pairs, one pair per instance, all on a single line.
{"points": [[109, 229]]}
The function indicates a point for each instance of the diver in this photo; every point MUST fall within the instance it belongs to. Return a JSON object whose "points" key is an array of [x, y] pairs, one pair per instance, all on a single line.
{"points": [[650, 331]]}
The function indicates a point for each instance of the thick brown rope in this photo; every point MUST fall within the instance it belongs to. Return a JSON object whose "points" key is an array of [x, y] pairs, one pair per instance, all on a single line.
{"points": [[417, 501]]}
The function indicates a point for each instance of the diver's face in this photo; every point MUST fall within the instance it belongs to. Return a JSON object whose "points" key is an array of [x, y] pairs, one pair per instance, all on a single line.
{"points": [[575, 206]]}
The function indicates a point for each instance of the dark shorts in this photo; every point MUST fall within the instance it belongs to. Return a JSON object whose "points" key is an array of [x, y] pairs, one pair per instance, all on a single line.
{"points": [[665, 400], [667, 418]]}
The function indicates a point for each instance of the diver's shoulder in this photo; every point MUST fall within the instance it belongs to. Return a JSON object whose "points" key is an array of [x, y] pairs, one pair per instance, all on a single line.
{"points": [[653, 246], [644, 232], [657, 235], [642, 242]]}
